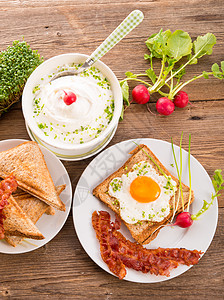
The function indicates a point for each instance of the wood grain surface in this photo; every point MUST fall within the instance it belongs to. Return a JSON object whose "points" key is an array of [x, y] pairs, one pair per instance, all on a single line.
{"points": [[61, 269]]}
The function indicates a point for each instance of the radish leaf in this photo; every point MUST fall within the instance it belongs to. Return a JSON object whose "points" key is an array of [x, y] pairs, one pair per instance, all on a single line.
{"points": [[179, 44], [203, 45], [205, 75], [125, 92], [222, 66], [151, 74], [156, 43], [130, 75], [216, 71]]}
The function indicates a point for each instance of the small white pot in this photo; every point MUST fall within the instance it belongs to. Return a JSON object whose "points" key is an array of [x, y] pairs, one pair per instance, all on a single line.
{"points": [[78, 150]]}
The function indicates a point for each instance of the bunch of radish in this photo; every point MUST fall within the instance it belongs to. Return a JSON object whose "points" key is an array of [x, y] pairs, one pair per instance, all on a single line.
{"points": [[170, 48]]}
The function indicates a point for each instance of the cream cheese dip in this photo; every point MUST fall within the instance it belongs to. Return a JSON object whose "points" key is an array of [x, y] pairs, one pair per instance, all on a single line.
{"points": [[80, 121]]}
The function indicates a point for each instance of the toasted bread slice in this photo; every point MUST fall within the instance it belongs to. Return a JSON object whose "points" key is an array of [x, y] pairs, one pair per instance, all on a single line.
{"points": [[33, 207], [145, 232], [50, 211], [18, 223], [26, 162]]}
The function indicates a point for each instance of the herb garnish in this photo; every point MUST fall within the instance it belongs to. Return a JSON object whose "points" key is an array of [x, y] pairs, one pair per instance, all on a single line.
{"points": [[179, 172], [218, 184]]}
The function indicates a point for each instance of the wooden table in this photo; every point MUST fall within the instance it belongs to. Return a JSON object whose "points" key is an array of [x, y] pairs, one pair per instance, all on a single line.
{"points": [[61, 269]]}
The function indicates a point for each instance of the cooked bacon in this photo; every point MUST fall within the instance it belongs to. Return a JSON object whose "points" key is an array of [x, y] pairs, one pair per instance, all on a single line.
{"points": [[108, 243], [118, 252], [7, 187]]}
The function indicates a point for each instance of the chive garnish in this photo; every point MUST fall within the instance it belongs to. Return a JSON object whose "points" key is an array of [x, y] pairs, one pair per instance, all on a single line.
{"points": [[189, 170], [178, 172]]}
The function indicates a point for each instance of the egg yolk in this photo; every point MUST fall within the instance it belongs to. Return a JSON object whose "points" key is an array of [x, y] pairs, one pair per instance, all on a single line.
{"points": [[144, 189]]}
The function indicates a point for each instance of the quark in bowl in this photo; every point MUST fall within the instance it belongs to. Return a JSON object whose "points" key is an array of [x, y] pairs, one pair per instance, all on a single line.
{"points": [[79, 127]]}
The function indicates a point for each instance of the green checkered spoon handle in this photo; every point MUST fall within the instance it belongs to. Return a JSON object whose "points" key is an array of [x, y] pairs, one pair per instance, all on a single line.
{"points": [[132, 20]]}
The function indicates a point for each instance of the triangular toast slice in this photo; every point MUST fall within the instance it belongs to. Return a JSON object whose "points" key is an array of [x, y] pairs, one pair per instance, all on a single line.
{"points": [[34, 209], [146, 231], [16, 222], [50, 211], [26, 162]]}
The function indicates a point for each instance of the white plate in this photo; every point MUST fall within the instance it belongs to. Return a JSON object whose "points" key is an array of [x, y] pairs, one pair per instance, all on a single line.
{"points": [[48, 225], [198, 236]]}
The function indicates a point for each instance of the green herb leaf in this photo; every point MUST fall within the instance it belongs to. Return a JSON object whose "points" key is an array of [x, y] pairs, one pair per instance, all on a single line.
{"points": [[192, 61], [156, 43], [218, 180], [218, 186], [179, 44], [203, 45], [146, 56], [222, 66], [151, 74], [206, 75], [122, 114], [215, 68], [125, 92], [205, 207], [216, 71], [130, 75]]}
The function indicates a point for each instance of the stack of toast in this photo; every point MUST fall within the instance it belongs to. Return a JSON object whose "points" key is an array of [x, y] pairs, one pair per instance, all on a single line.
{"points": [[35, 196], [145, 231]]}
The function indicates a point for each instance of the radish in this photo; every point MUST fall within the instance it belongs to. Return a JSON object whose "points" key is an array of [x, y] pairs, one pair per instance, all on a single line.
{"points": [[183, 220], [140, 94], [165, 106], [181, 99], [69, 97]]}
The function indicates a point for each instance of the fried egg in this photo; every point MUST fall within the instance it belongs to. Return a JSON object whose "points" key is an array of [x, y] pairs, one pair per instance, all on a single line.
{"points": [[143, 194]]}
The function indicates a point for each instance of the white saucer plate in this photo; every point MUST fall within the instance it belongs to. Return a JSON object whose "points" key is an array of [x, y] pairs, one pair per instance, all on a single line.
{"points": [[48, 225]]}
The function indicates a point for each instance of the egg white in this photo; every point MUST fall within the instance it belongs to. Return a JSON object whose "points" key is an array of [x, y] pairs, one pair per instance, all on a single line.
{"points": [[132, 211]]}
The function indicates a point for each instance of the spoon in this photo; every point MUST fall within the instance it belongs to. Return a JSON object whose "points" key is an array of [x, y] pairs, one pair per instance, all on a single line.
{"points": [[129, 23]]}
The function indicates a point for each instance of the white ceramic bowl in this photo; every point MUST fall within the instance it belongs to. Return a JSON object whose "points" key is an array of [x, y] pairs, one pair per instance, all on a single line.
{"points": [[77, 150]]}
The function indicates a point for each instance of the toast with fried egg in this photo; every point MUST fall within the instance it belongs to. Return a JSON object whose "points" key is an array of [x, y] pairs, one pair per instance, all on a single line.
{"points": [[143, 231]]}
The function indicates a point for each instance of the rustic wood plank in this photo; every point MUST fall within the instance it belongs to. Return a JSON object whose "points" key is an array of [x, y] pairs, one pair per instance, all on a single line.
{"points": [[61, 269]]}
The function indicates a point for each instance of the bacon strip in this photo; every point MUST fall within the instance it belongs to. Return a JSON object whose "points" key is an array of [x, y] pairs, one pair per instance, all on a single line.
{"points": [[118, 252], [7, 187], [108, 243]]}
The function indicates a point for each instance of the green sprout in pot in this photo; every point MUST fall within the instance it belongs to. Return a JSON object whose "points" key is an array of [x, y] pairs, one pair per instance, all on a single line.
{"points": [[16, 65]]}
